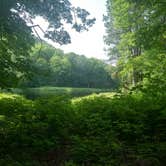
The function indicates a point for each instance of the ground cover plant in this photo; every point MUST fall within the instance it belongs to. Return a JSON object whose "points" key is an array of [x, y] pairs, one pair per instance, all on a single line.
{"points": [[93, 130]]}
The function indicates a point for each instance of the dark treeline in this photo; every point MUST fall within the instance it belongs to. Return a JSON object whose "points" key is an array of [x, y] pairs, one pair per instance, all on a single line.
{"points": [[51, 67]]}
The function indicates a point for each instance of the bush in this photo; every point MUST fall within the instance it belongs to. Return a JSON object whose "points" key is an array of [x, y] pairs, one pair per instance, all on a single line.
{"points": [[121, 130], [33, 131], [95, 130]]}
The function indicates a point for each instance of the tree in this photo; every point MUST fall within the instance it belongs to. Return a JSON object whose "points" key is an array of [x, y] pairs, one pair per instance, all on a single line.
{"points": [[135, 30], [61, 71], [16, 25], [52, 67]]}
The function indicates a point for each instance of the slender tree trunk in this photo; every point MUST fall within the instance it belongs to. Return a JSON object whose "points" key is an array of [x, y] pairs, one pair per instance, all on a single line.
{"points": [[136, 75]]}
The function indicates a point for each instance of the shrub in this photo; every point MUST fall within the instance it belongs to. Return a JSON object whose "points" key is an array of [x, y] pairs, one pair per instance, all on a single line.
{"points": [[95, 130]]}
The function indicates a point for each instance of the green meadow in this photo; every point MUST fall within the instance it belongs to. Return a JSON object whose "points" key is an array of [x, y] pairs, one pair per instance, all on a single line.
{"points": [[33, 93]]}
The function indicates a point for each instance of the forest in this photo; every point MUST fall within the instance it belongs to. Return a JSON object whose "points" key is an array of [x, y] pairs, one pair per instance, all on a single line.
{"points": [[64, 109], [66, 70]]}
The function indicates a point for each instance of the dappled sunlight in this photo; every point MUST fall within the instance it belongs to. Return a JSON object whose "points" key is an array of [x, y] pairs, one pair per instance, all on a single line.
{"points": [[8, 96]]}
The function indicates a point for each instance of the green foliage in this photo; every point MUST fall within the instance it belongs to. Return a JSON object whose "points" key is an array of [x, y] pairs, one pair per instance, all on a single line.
{"points": [[31, 130], [105, 129], [119, 131], [51, 67], [53, 11], [136, 36], [16, 27]]}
